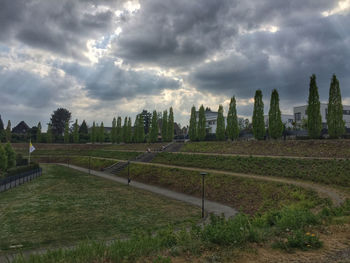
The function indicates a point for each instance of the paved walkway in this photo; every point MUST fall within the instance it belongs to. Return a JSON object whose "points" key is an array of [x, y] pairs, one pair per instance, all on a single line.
{"points": [[210, 207]]}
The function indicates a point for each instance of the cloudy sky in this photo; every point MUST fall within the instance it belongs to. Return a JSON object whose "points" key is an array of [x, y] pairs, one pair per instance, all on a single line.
{"points": [[104, 58]]}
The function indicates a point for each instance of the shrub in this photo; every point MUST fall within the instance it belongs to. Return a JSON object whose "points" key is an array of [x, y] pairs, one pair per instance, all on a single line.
{"points": [[301, 240], [3, 159], [11, 156]]}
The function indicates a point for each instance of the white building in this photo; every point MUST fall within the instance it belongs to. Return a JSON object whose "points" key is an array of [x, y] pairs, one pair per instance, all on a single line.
{"points": [[211, 120], [287, 120], [300, 114]]}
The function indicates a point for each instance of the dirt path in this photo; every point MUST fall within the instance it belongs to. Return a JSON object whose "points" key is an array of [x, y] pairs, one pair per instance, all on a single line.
{"points": [[335, 195], [262, 156]]}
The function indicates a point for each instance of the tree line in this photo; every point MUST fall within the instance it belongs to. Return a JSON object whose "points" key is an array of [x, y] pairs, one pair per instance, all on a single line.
{"points": [[335, 122], [145, 129]]}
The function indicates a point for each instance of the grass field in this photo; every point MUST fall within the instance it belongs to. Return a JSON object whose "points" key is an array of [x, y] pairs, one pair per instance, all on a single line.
{"points": [[303, 148], [248, 195], [323, 171], [65, 206]]}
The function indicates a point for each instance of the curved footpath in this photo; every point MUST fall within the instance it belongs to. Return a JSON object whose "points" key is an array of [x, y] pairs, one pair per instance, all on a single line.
{"points": [[210, 207], [335, 195]]}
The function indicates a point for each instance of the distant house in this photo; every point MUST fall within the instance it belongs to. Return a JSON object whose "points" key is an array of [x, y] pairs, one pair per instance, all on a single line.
{"points": [[211, 120], [21, 128]]}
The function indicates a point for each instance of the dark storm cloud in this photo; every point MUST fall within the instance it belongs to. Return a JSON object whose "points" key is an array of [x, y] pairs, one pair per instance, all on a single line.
{"points": [[58, 26], [106, 81], [283, 60]]}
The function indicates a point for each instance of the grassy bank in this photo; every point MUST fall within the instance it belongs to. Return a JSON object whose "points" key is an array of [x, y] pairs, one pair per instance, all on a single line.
{"points": [[65, 206], [288, 229], [322, 171], [249, 195], [306, 148]]}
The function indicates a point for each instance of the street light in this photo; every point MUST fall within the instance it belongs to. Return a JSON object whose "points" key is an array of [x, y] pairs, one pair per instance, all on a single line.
{"points": [[203, 174]]}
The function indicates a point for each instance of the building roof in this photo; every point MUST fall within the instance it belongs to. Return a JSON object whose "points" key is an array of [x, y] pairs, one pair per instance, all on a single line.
{"points": [[21, 128]]}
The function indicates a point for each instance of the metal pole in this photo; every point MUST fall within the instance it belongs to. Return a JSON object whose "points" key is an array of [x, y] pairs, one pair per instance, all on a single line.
{"points": [[89, 164], [203, 175], [129, 173]]}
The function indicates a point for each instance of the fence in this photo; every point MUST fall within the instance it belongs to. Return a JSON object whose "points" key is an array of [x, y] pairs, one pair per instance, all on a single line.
{"points": [[15, 180]]}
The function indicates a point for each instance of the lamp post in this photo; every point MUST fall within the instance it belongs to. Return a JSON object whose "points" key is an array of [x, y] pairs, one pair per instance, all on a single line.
{"points": [[129, 172], [203, 174]]}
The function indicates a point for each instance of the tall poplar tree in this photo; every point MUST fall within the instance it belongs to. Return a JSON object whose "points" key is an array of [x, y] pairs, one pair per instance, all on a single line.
{"points": [[258, 116], [125, 130], [135, 134], [165, 126], [2, 131], [119, 130], [220, 125], [232, 129], [192, 130], [154, 128], [93, 132], [8, 131], [114, 131], [76, 132], [141, 129], [201, 132], [83, 132], [170, 125], [49, 133], [275, 119], [38, 133], [66, 133], [129, 130], [102, 133], [314, 119], [335, 122]]}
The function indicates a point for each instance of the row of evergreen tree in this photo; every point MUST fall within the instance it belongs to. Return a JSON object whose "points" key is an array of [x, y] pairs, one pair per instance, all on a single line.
{"points": [[335, 122], [119, 133]]}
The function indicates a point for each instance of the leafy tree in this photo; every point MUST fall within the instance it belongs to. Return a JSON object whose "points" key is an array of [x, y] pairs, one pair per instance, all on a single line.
{"points": [[59, 118], [135, 134], [220, 127], [83, 132], [119, 130], [38, 133], [3, 159], [8, 131], [49, 133], [201, 124], [258, 116], [66, 133], [232, 129], [129, 131], [275, 119], [125, 130], [154, 128], [114, 131], [93, 134], [102, 133], [192, 131], [11, 156], [165, 126], [314, 119], [335, 122], [76, 132], [170, 125]]}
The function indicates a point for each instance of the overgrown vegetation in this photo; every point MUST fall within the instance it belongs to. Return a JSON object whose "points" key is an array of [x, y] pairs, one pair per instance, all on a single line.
{"points": [[248, 195], [322, 171], [306, 148]]}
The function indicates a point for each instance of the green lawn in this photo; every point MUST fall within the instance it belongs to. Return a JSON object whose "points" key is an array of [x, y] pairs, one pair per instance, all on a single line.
{"points": [[65, 206], [323, 171]]}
